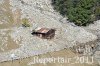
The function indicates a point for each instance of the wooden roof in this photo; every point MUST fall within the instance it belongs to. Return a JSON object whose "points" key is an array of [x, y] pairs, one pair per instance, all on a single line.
{"points": [[42, 30]]}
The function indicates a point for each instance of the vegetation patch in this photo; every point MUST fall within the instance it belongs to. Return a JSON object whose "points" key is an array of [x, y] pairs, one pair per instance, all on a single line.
{"points": [[25, 22], [81, 12]]}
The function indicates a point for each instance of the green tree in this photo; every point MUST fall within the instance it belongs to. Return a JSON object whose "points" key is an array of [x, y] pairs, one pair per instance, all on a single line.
{"points": [[81, 12], [97, 9]]}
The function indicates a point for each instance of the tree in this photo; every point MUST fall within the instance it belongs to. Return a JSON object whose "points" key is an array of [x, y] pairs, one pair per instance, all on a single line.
{"points": [[97, 9], [81, 12]]}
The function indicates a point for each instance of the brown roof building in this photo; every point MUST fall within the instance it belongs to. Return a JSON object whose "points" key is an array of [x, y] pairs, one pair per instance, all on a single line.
{"points": [[45, 33]]}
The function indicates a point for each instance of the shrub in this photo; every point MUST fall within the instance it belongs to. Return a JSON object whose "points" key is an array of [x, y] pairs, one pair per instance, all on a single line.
{"points": [[25, 22]]}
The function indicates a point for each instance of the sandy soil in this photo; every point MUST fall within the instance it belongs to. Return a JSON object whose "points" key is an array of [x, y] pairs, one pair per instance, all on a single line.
{"points": [[6, 22]]}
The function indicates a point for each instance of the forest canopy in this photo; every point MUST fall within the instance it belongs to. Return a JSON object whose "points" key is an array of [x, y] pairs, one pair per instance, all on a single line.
{"points": [[81, 12]]}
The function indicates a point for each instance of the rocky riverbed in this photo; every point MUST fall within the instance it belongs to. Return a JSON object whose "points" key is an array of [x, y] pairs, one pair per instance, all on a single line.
{"points": [[41, 14]]}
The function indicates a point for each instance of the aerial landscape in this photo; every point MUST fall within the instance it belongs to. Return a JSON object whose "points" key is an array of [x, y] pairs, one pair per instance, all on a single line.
{"points": [[49, 32]]}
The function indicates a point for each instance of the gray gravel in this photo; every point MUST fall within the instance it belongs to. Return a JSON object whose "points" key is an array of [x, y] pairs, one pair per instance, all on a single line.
{"points": [[41, 14], [95, 29]]}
